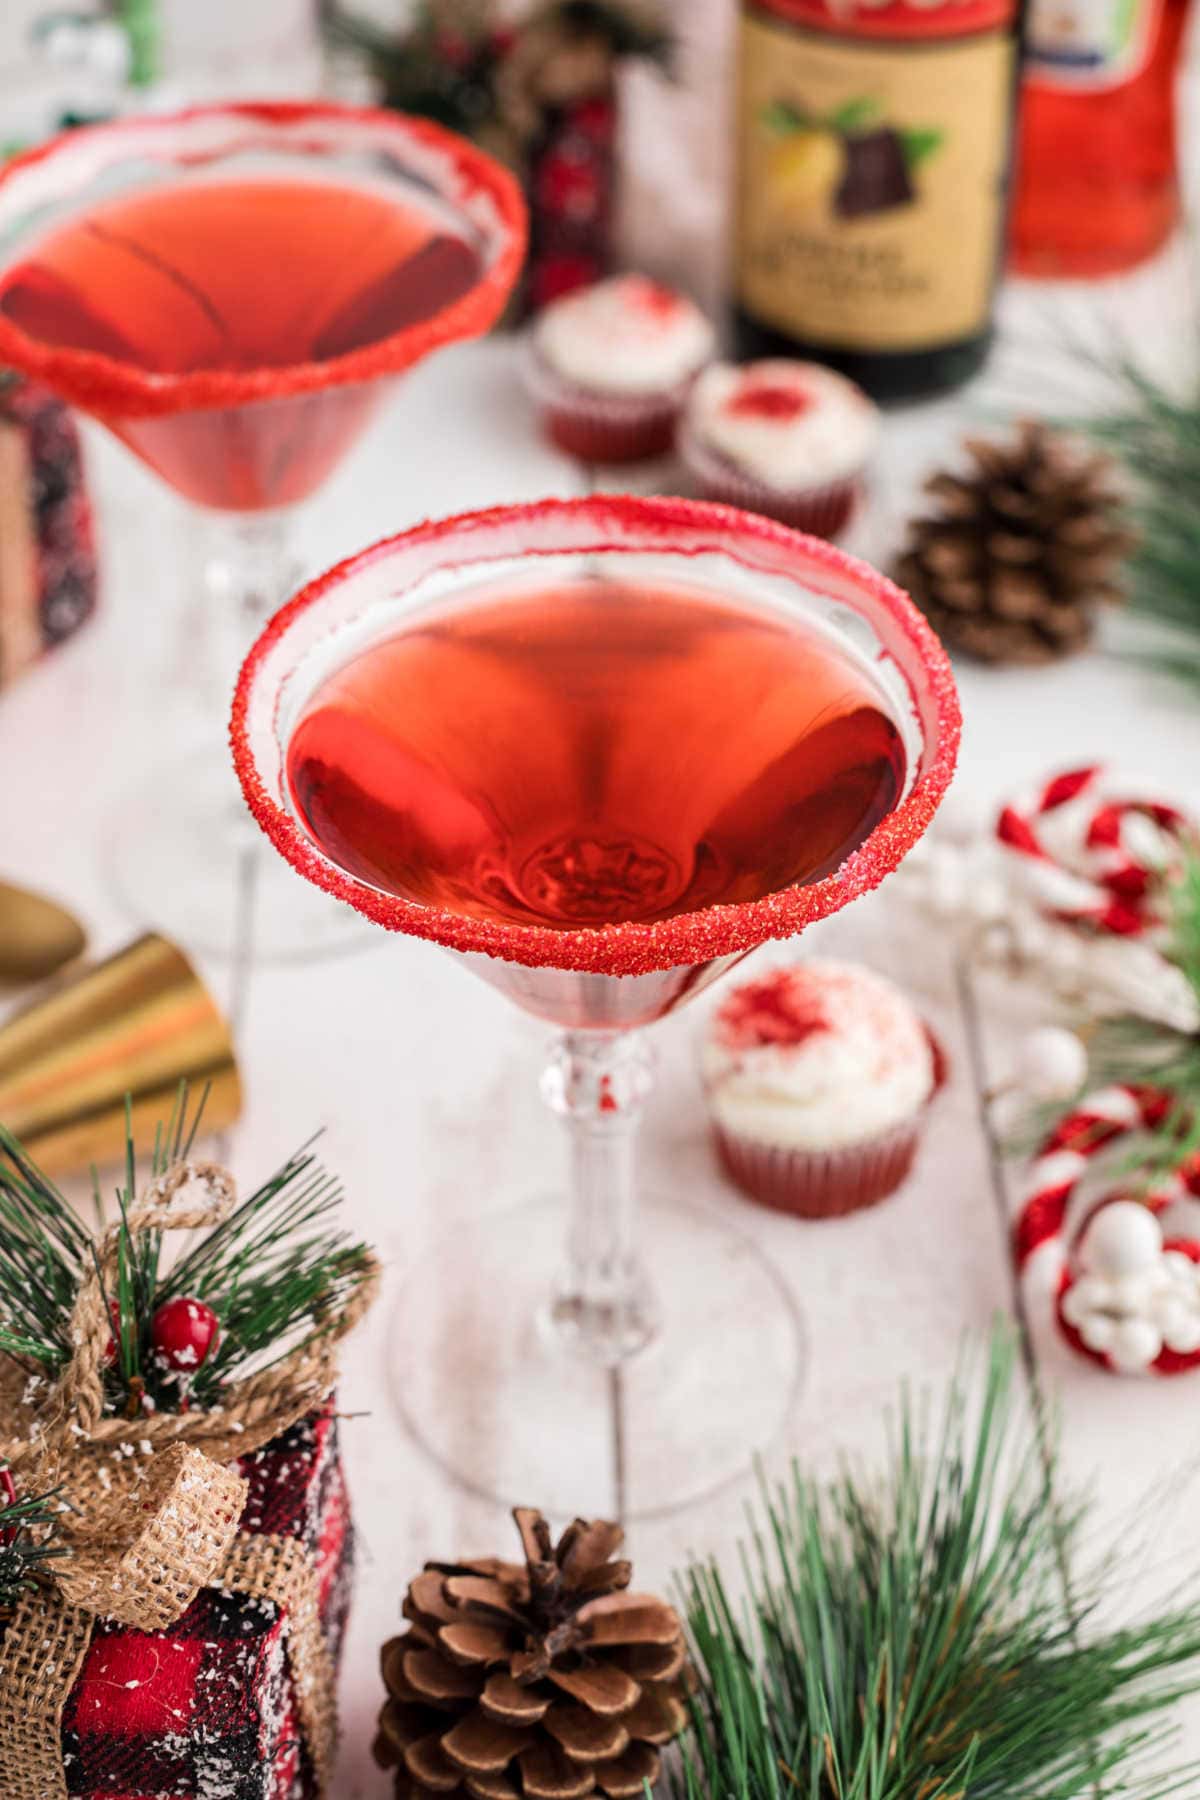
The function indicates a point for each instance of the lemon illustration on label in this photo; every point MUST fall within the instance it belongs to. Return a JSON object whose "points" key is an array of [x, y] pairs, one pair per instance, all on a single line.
{"points": [[851, 162], [806, 169]]}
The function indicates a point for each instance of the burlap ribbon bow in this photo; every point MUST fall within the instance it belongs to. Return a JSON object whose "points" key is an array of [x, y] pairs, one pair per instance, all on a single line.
{"points": [[155, 1523]]}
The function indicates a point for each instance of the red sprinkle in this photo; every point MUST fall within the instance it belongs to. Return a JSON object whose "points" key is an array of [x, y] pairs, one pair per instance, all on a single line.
{"points": [[775, 1010], [770, 400], [651, 297], [606, 522]]}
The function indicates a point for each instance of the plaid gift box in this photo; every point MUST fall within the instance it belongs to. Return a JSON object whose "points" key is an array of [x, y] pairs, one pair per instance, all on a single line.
{"points": [[47, 557], [208, 1708]]}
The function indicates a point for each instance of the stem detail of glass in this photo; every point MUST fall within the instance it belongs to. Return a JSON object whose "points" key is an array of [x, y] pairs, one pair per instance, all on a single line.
{"points": [[252, 570], [597, 1083]]}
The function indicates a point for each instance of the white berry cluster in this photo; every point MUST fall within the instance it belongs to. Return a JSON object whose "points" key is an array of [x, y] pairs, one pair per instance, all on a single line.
{"points": [[1133, 1299]]}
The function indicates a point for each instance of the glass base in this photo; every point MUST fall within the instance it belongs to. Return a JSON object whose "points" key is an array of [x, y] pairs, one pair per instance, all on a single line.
{"points": [[185, 857], [487, 1384]]}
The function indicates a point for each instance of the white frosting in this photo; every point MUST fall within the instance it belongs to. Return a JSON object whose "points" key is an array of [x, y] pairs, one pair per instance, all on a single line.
{"points": [[830, 437], [627, 335], [866, 1067]]}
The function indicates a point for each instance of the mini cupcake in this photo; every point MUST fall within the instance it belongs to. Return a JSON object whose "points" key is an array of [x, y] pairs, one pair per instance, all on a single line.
{"points": [[610, 367], [818, 1076], [790, 439]]}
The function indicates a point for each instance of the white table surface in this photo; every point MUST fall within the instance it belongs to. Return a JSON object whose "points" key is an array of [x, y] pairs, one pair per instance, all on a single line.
{"points": [[426, 1080]]}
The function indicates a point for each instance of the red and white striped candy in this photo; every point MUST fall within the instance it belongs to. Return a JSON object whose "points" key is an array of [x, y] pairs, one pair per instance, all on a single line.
{"points": [[1092, 854], [1046, 1239]]}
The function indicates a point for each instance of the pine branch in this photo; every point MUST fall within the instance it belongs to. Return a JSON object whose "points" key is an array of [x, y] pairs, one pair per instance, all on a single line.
{"points": [[909, 1639], [631, 28], [28, 1542], [1142, 1052], [44, 1251], [1157, 436], [275, 1272], [271, 1287]]}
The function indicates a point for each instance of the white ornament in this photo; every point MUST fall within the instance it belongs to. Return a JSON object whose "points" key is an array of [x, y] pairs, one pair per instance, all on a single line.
{"points": [[1008, 1114], [1084, 1298], [1181, 1268], [1123, 1238], [1179, 1323], [1052, 1064], [1135, 1345], [1097, 1330], [1136, 1294]]}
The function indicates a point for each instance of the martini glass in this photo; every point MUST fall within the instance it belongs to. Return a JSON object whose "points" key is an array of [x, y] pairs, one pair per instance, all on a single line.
{"points": [[231, 290], [600, 749]]}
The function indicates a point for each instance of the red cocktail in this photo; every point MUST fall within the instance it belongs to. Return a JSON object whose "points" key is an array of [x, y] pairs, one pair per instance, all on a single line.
{"points": [[562, 804], [602, 748], [229, 291]]}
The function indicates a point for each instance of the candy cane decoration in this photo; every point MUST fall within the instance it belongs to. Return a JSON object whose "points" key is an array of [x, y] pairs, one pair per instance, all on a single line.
{"points": [[1124, 1297], [1092, 855]]}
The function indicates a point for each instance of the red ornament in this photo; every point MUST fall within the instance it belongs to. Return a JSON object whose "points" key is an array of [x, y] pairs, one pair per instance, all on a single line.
{"points": [[8, 1497], [114, 1313], [184, 1332], [568, 184], [1047, 1227]]}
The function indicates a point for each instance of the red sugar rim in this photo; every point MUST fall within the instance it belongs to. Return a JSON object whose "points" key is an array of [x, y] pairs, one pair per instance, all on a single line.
{"points": [[104, 384], [639, 525]]}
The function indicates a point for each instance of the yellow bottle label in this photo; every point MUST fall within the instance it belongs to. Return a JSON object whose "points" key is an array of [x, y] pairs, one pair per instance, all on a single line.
{"points": [[871, 181]]}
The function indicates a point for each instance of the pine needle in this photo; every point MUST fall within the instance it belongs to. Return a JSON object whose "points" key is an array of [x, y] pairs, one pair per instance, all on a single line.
{"points": [[28, 1542], [908, 1638], [275, 1272], [1157, 437]]}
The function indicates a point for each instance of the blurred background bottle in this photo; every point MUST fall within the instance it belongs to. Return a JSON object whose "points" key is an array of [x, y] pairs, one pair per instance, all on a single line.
{"points": [[875, 143], [1097, 187]]}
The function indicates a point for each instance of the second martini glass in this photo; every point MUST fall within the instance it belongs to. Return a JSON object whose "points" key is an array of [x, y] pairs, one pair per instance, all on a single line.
{"points": [[601, 749], [230, 290]]}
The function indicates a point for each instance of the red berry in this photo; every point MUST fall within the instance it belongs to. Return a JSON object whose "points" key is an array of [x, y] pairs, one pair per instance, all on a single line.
{"points": [[8, 1497], [595, 118], [184, 1332], [560, 272], [569, 184], [114, 1313]]}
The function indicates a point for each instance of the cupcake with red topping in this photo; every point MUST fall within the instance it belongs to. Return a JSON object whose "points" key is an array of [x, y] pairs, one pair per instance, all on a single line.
{"points": [[818, 1078], [610, 366], [789, 439]]}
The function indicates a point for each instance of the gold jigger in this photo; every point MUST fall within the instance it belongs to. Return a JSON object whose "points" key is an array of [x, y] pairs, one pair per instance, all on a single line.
{"points": [[136, 1025], [37, 936]]}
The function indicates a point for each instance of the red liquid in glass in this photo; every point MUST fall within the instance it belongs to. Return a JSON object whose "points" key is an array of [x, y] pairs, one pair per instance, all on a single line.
{"points": [[241, 276], [593, 752]]}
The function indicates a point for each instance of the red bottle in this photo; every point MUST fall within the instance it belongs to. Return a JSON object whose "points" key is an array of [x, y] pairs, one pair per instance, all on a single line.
{"points": [[1097, 188]]}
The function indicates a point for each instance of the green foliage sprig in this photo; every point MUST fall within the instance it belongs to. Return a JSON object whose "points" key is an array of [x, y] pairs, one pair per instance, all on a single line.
{"points": [[28, 1543], [272, 1272], [448, 62], [1157, 437], [1143, 1052], [910, 1638]]}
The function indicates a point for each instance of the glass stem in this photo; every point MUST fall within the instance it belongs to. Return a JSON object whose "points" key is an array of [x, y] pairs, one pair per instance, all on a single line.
{"points": [[597, 1083], [252, 570]]}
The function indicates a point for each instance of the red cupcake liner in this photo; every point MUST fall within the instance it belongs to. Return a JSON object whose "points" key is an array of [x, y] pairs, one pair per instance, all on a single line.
{"points": [[604, 428], [819, 1184], [823, 509], [827, 1184]]}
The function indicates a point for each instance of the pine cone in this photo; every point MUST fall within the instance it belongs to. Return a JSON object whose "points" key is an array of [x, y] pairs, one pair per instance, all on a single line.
{"points": [[1024, 548], [543, 1679]]}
